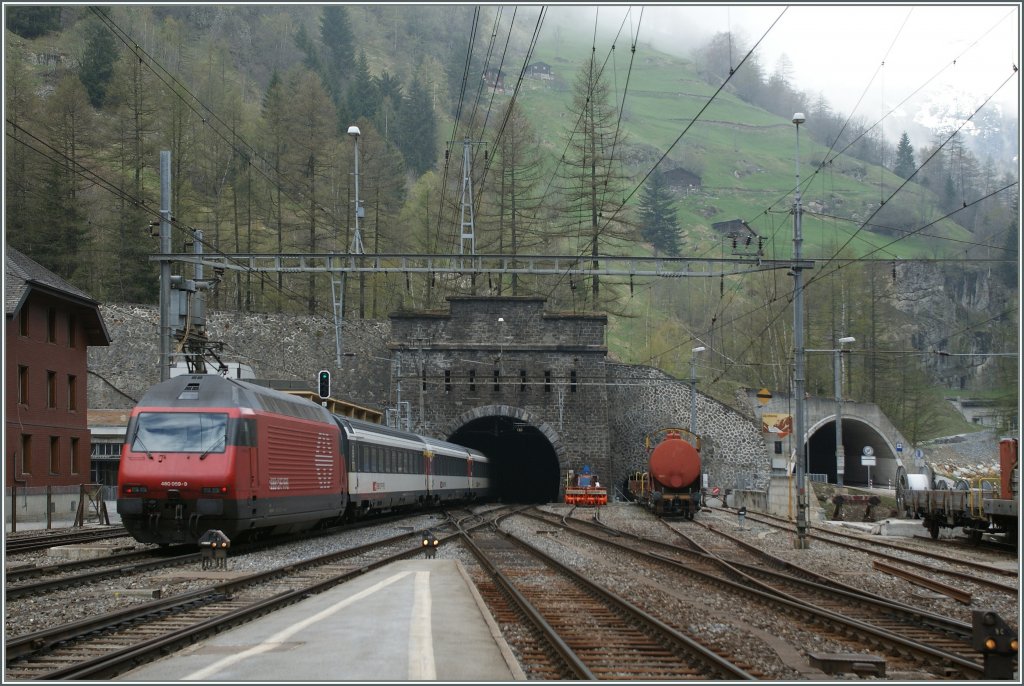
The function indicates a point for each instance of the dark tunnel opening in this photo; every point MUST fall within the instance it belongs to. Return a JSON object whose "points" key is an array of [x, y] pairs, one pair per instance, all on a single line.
{"points": [[524, 466]]}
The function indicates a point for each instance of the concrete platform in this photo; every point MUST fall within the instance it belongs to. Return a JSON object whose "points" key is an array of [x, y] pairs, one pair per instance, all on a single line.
{"points": [[87, 551], [415, 620]]}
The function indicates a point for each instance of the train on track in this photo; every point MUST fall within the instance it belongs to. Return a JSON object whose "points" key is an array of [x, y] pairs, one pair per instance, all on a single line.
{"points": [[204, 452], [584, 488], [987, 505], [671, 485]]}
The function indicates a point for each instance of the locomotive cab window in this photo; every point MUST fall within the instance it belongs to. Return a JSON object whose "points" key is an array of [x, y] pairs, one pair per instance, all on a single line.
{"points": [[179, 432]]}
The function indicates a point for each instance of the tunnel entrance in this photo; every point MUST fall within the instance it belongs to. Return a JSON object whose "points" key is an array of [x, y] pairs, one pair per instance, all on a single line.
{"points": [[856, 434], [524, 464]]}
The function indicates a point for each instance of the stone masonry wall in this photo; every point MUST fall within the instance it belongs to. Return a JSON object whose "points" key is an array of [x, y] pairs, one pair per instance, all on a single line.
{"points": [[643, 400], [550, 371]]}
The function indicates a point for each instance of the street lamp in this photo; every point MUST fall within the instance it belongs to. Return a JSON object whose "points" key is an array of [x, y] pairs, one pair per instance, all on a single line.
{"points": [[357, 240], [798, 354], [693, 388], [840, 450]]}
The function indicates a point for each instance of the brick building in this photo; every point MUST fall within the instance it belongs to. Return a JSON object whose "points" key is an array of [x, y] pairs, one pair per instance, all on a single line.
{"points": [[49, 326]]}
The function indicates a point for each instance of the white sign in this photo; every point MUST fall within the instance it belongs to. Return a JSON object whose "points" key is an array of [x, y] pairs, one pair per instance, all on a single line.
{"points": [[867, 460], [899, 447]]}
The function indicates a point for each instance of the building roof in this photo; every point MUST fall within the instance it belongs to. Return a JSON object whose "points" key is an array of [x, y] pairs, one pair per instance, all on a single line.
{"points": [[23, 275]]}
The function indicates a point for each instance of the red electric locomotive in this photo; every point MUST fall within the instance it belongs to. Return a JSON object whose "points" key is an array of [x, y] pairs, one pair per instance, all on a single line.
{"points": [[671, 486], [205, 452]]}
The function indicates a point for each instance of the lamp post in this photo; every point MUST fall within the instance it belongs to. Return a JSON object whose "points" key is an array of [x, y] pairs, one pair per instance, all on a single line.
{"points": [[693, 388], [840, 450], [357, 238], [798, 354]]}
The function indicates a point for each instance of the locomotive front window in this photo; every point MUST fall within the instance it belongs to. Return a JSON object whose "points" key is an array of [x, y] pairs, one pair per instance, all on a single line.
{"points": [[180, 432]]}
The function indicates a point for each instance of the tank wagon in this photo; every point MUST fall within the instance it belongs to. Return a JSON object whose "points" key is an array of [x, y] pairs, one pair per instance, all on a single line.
{"points": [[206, 452], [671, 485]]}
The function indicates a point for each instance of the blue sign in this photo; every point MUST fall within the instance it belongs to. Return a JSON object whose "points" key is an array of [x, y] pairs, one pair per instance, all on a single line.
{"points": [[899, 447]]}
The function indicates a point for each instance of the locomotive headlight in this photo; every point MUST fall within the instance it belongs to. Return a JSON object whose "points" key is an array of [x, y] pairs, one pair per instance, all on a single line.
{"points": [[436, 542]]}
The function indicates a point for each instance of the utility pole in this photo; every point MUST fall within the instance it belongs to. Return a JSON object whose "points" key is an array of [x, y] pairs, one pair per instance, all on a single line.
{"points": [[798, 355], [165, 265]]}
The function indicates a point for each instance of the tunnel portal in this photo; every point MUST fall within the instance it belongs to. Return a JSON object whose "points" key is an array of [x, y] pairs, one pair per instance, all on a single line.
{"points": [[524, 464]]}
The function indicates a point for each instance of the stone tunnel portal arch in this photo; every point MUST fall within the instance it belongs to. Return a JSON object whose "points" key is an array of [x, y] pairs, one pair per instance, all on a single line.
{"points": [[525, 463], [856, 434]]}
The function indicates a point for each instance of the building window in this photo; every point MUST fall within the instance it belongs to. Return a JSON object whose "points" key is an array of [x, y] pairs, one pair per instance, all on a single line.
{"points": [[423, 380], [572, 381], [54, 454], [74, 455], [51, 389], [22, 385], [72, 392], [51, 325], [72, 327], [472, 380], [23, 321], [447, 381], [26, 454], [522, 380], [497, 386], [547, 380]]}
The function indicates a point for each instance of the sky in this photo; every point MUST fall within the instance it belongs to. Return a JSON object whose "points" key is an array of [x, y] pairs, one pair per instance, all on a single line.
{"points": [[861, 57]]}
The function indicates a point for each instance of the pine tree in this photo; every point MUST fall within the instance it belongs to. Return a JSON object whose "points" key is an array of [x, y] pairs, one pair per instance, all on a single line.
{"points": [[97, 68], [659, 224], [591, 173], [417, 138], [905, 164]]}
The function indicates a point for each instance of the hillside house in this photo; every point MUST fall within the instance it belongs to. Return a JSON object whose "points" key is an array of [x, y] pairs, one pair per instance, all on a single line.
{"points": [[540, 70], [49, 326], [494, 78]]}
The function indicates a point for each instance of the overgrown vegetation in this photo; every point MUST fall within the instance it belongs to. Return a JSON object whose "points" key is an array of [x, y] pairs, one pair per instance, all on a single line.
{"points": [[255, 103]]}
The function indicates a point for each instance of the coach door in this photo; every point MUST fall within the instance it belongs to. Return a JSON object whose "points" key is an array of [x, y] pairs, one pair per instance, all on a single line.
{"points": [[428, 471], [469, 470]]}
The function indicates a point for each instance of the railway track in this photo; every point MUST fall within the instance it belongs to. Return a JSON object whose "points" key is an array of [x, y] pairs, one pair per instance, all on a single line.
{"points": [[102, 647], [41, 541], [586, 631], [792, 598], [878, 548]]}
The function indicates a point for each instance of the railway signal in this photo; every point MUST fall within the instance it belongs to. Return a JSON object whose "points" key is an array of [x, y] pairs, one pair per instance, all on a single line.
{"points": [[324, 388]]}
